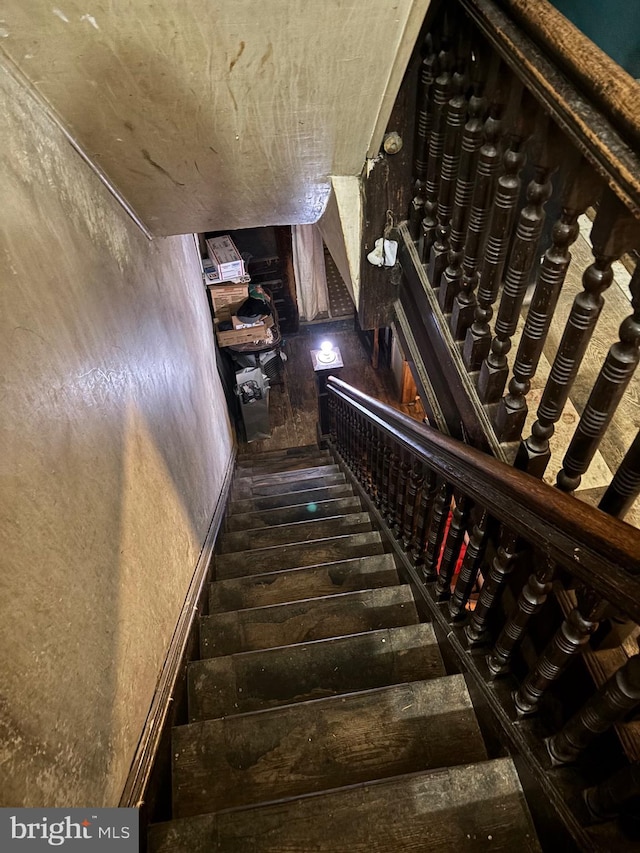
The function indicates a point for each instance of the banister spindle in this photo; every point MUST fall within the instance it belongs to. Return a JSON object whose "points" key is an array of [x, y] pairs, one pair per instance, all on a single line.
{"points": [[467, 169], [487, 168], [625, 486], [568, 640], [394, 468], [437, 524], [414, 488], [530, 601], [582, 187], [501, 567], [614, 377], [453, 543], [386, 464], [441, 94], [505, 200], [423, 129], [604, 801], [614, 231], [401, 495], [425, 507], [619, 695], [378, 444], [455, 120], [473, 559]]}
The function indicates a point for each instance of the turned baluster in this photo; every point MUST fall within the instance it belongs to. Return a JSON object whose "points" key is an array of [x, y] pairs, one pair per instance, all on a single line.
{"points": [[614, 232], [473, 559], [581, 189], [437, 524], [349, 437], [605, 801], [425, 507], [423, 129], [379, 463], [568, 640], [454, 541], [401, 496], [471, 143], [502, 565], [478, 337], [363, 453], [414, 488], [339, 410], [609, 705], [333, 426], [488, 164], [455, 119], [394, 468], [625, 486], [441, 94], [386, 463], [367, 455], [615, 375], [371, 459], [530, 601]]}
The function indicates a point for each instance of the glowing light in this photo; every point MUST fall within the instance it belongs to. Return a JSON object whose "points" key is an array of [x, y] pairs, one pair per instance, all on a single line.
{"points": [[312, 507], [327, 354]]}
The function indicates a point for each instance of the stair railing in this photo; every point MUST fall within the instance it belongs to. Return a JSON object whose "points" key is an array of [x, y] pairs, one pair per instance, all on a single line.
{"points": [[521, 126], [465, 521]]}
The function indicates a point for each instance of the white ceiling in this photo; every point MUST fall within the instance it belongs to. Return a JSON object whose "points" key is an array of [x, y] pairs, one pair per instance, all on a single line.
{"points": [[212, 115]]}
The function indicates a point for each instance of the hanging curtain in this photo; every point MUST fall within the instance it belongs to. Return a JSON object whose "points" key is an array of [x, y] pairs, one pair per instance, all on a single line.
{"points": [[308, 266]]}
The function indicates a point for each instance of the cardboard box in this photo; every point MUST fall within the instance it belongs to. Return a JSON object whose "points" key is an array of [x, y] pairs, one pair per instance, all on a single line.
{"points": [[240, 324], [227, 298], [244, 336], [225, 258]]}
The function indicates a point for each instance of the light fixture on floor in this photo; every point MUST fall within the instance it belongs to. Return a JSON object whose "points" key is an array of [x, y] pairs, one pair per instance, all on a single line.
{"points": [[327, 357]]}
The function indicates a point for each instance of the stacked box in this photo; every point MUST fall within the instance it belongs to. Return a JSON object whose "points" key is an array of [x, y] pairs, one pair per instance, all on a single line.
{"points": [[227, 298], [225, 258], [244, 336]]}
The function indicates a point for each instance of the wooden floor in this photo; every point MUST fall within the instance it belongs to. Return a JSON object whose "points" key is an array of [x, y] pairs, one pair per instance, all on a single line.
{"points": [[293, 405]]}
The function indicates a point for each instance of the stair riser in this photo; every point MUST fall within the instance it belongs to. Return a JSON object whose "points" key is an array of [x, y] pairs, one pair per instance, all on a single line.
{"points": [[266, 478], [282, 557], [292, 514], [300, 531], [470, 808], [299, 622], [311, 496], [258, 680], [324, 744], [245, 491], [248, 470], [297, 584]]}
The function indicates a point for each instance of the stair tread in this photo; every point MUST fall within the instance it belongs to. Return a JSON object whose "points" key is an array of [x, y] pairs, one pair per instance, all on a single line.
{"points": [[296, 555], [261, 489], [311, 495], [308, 619], [281, 453], [297, 531], [250, 681], [297, 512], [294, 584], [471, 807], [268, 477], [326, 743], [292, 464]]}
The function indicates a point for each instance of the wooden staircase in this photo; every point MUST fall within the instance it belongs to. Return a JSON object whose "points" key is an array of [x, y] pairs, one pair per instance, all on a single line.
{"points": [[321, 717]]}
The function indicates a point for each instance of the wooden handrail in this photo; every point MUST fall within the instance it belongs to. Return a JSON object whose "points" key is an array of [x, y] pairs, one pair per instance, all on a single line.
{"points": [[595, 134], [599, 76], [596, 548]]}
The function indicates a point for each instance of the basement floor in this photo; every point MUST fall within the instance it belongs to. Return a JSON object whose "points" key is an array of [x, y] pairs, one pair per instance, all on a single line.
{"points": [[293, 404]]}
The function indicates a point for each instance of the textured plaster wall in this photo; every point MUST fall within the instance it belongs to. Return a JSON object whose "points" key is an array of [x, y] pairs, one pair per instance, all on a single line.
{"points": [[115, 441]]}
